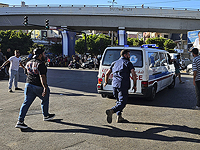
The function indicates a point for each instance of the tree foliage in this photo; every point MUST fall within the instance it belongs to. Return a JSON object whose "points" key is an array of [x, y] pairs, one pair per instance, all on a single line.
{"points": [[101, 43], [15, 40], [96, 44], [159, 41], [134, 41], [130, 41], [34, 46], [80, 46], [137, 42], [169, 44], [56, 49]]}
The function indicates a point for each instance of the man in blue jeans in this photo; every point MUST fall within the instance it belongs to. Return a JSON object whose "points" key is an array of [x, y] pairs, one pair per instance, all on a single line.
{"points": [[14, 61], [121, 69], [36, 86]]}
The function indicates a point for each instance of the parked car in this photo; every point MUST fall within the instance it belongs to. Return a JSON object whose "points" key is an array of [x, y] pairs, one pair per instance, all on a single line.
{"points": [[189, 69]]}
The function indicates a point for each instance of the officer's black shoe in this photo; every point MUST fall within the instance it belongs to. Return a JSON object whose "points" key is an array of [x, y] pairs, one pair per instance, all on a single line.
{"points": [[49, 117], [18, 88], [120, 119], [109, 114]]}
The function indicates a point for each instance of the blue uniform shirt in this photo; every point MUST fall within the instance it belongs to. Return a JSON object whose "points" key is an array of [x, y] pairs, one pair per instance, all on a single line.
{"points": [[121, 70]]}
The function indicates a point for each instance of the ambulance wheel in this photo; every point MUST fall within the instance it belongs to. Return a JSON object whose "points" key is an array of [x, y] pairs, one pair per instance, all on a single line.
{"points": [[190, 72], [152, 95], [110, 97], [172, 85], [103, 95]]}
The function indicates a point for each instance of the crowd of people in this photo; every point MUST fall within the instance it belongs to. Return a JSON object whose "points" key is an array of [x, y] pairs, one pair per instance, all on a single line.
{"points": [[76, 61], [52, 60]]}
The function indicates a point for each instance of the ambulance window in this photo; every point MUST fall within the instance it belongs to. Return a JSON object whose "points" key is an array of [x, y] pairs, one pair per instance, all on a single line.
{"points": [[163, 60], [154, 60], [136, 58], [111, 56]]}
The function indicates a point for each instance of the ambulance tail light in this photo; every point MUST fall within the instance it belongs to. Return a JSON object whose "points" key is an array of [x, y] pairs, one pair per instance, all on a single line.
{"points": [[145, 83], [100, 80], [99, 87]]}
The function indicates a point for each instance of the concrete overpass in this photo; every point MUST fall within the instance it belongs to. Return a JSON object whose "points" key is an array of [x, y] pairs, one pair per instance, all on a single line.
{"points": [[101, 18]]}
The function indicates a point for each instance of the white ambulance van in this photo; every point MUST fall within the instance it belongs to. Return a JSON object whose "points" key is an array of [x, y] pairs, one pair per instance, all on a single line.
{"points": [[153, 68]]}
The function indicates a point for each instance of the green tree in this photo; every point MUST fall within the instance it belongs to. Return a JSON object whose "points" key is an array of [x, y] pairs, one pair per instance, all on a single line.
{"points": [[15, 40], [137, 42], [56, 49], [96, 44], [130, 41], [159, 41], [169, 44], [80, 46], [91, 45], [35, 45], [100, 44], [134, 42]]}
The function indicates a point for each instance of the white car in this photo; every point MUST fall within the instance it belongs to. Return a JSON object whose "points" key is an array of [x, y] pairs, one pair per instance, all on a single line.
{"points": [[189, 69]]}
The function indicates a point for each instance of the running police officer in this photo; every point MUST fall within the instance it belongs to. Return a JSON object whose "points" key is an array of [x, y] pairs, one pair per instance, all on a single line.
{"points": [[121, 70]]}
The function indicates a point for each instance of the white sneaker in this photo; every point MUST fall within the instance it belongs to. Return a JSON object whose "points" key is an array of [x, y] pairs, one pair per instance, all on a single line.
{"points": [[21, 125]]}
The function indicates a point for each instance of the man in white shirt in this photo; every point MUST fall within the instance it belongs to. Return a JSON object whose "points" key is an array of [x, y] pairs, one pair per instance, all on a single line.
{"points": [[14, 61]]}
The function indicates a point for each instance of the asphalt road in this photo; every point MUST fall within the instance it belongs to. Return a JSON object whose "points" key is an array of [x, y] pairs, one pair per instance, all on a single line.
{"points": [[80, 124]]}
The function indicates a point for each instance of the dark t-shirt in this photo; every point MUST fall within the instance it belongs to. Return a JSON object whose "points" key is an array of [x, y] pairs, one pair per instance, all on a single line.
{"points": [[8, 55], [35, 68], [121, 70], [176, 63]]}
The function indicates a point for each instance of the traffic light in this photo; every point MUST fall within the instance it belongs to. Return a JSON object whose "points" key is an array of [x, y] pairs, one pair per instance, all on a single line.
{"points": [[25, 20], [47, 24]]}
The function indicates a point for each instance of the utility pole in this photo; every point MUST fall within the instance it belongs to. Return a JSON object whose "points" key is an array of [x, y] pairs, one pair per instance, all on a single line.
{"points": [[113, 2]]}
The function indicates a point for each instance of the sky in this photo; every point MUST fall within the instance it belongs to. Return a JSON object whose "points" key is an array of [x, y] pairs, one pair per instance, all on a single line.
{"points": [[189, 4]]}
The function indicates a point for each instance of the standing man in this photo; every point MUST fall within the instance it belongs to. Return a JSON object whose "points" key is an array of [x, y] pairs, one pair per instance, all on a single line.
{"points": [[14, 61], [121, 70], [36, 85], [177, 65], [196, 76]]}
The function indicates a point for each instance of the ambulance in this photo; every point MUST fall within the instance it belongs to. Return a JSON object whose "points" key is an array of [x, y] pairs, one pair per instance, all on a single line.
{"points": [[153, 67]]}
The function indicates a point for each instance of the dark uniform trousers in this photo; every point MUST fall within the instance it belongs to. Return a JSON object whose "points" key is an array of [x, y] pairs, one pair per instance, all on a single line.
{"points": [[197, 90], [121, 94]]}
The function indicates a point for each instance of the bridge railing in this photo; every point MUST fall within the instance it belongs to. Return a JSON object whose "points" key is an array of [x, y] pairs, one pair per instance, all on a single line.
{"points": [[115, 6]]}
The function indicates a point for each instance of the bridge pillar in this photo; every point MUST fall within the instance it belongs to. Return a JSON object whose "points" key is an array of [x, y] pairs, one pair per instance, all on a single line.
{"points": [[68, 43], [122, 36]]}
